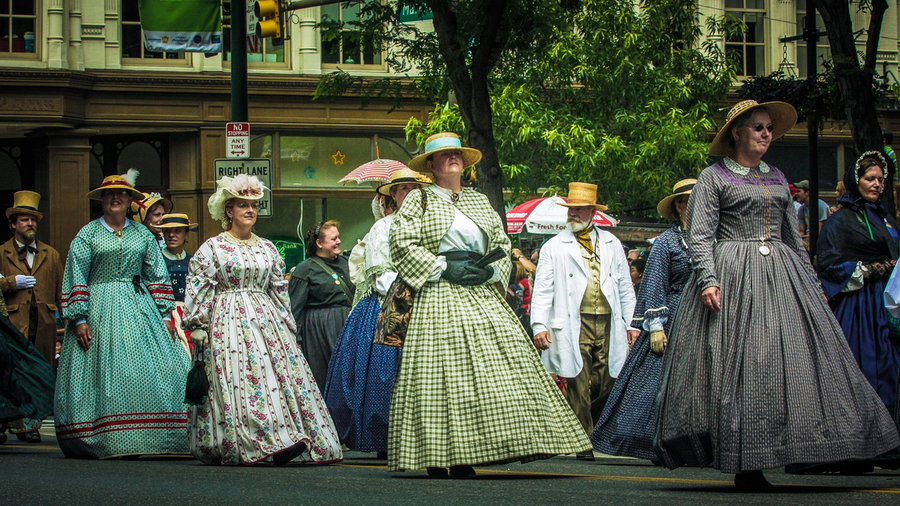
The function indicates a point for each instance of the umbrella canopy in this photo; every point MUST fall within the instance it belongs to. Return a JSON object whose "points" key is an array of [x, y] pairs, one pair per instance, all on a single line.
{"points": [[546, 216], [379, 170]]}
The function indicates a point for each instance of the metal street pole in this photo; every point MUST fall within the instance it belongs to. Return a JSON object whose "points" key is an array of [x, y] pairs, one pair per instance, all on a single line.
{"points": [[239, 60], [812, 129]]}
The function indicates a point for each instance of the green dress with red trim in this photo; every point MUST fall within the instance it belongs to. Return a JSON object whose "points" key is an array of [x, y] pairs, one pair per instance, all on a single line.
{"points": [[124, 394]]}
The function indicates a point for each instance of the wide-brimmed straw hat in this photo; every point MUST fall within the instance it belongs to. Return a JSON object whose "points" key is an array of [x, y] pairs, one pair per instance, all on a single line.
{"points": [[783, 115], [403, 176], [665, 208], [176, 220], [443, 142], [583, 194], [142, 207], [25, 202], [118, 182], [241, 186]]}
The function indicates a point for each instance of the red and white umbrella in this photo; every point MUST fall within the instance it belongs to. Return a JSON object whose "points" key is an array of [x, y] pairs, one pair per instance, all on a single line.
{"points": [[546, 216], [379, 170]]}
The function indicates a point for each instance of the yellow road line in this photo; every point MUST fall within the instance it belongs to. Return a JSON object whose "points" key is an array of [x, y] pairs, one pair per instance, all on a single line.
{"points": [[30, 447], [645, 479]]}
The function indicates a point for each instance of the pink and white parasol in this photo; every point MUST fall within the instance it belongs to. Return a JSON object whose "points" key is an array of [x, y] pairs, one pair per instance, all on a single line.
{"points": [[379, 170], [546, 216]]}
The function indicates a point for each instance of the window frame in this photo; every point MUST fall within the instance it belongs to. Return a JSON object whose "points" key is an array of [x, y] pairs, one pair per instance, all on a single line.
{"points": [[183, 61], [741, 13], [37, 17], [329, 66]]}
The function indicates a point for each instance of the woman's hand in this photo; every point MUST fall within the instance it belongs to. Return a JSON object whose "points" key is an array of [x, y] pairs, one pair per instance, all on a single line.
{"points": [[83, 333], [711, 298], [633, 337], [170, 326], [542, 340], [658, 341]]}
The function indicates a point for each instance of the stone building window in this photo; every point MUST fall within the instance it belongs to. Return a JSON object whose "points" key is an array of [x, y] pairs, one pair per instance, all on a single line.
{"points": [[748, 49], [348, 48], [823, 50], [18, 26]]}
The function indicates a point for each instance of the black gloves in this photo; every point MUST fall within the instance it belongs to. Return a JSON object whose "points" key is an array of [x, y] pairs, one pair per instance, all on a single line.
{"points": [[465, 273]]}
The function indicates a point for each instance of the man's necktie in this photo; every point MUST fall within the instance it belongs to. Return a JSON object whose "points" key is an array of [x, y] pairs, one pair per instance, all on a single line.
{"points": [[23, 253]]}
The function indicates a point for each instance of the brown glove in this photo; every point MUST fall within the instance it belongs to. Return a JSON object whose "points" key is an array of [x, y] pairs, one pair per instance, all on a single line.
{"points": [[658, 341]]}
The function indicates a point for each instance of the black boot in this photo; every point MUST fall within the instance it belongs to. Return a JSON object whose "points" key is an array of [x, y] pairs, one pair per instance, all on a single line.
{"points": [[752, 481], [462, 472]]}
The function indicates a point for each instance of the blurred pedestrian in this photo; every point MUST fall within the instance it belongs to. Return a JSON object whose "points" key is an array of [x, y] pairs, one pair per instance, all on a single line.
{"points": [[470, 389], [757, 373], [175, 228], [361, 374], [149, 212], [321, 296], [582, 302], [857, 252], [120, 365], [627, 424], [262, 404]]}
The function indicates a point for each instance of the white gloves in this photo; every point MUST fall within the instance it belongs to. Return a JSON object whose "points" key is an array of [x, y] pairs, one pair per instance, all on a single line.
{"points": [[658, 341], [199, 336], [23, 282]]}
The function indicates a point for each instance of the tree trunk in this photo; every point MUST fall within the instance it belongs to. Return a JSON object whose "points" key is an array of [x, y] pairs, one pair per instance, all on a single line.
{"points": [[470, 84], [855, 81]]}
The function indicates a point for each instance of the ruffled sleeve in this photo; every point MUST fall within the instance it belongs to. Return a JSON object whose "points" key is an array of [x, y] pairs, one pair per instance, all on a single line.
{"points": [[200, 296], [278, 287], [76, 294], [156, 276], [655, 283], [703, 223], [380, 272], [414, 262]]}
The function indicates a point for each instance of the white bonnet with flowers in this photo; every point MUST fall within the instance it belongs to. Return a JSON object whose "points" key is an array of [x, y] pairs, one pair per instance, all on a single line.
{"points": [[241, 186]]}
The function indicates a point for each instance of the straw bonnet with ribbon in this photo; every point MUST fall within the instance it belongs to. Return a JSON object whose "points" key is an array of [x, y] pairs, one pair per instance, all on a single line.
{"points": [[583, 194], [141, 208], [25, 202], [241, 186], [783, 116], [444, 141], [665, 208], [175, 220], [118, 182], [403, 176]]}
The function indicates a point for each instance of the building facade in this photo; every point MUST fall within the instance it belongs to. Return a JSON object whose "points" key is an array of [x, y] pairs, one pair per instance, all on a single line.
{"points": [[81, 98]]}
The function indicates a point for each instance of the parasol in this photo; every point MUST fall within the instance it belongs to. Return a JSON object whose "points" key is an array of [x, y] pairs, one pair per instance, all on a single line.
{"points": [[546, 216], [379, 170]]}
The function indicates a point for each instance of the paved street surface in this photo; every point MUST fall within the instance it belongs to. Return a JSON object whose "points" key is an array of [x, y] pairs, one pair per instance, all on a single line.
{"points": [[38, 474]]}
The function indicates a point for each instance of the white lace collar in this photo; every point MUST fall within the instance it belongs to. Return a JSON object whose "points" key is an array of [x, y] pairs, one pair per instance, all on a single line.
{"points": [[740, 170]]}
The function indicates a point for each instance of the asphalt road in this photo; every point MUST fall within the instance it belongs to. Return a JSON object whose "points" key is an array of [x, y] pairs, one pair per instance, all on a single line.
{"points": [[38, 474]]}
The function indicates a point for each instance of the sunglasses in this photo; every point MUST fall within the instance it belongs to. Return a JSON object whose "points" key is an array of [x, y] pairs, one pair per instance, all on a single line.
{"points": [[760, 127]]}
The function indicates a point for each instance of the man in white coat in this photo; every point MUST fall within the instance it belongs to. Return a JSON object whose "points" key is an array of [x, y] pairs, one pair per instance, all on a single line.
{"points": [[581, 305]]}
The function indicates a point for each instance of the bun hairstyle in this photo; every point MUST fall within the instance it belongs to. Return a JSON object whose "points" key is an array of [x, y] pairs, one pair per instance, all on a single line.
{"points": [[316, 233]]}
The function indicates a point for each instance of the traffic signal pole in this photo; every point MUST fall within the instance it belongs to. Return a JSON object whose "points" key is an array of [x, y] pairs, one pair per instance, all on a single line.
{"points": [[239, 61]]}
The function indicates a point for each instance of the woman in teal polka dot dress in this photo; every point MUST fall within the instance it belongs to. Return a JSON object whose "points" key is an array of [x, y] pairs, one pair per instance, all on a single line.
{"points": [[121, 377]]}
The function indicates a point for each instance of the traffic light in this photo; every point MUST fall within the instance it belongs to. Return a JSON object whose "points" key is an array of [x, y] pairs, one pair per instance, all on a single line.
{"points": [[268, 12]]}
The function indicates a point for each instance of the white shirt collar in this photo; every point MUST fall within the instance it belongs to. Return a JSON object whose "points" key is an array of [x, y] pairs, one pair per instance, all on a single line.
{"points": [[19, 245], [107, 227], [172, 256], [740, 170]]}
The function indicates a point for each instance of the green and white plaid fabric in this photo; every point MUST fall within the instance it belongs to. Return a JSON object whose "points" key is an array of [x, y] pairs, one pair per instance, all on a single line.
{"points": [[471, 388]]}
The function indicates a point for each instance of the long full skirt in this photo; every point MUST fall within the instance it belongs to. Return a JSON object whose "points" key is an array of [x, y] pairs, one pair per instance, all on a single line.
{"points": [[26, 381], [320, 331], [627, 425], [768, 380], [864, 321], [124, 395], [361, 380], [262, 397], [471, 388]]}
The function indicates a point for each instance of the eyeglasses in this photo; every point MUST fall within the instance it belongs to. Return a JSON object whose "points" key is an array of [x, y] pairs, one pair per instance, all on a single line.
{"points": [[760, 127]]}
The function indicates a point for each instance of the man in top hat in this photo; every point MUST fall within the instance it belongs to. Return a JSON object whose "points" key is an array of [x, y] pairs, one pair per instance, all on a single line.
{"points": [[32, 278], [581, 304]]}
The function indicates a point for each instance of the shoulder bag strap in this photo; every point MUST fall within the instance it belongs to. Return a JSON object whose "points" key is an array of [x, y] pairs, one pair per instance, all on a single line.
{"points": [[328, 270]]}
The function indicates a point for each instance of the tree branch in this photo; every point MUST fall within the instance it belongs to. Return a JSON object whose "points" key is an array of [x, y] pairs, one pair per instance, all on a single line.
{"points": [[485, 53], [874, 33]]}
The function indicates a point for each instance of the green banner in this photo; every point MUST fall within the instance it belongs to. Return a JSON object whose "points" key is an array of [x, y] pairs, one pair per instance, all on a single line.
{"points": [[182, 25]]}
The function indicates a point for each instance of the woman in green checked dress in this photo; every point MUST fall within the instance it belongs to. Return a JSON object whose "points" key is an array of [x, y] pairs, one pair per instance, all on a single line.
{"points": [[471, 389], [121, 377]]}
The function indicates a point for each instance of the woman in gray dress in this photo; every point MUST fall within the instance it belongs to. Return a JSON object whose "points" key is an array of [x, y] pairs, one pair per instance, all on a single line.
{"points": [[757, 373]]}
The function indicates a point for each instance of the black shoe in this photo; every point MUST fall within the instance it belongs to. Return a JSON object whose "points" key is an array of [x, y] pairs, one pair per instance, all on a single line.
{"points": [[2, 437], [752, 481], [462, 472], [585, 455], [437, 472], [29, 437], [284, 456], [381, 455]]}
